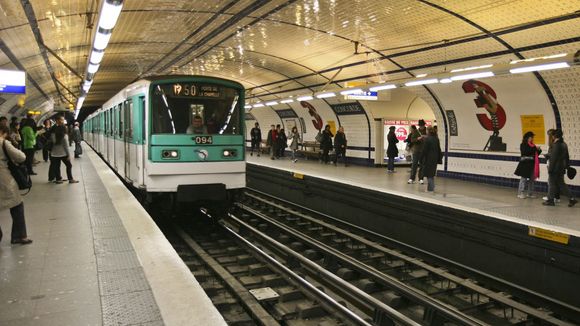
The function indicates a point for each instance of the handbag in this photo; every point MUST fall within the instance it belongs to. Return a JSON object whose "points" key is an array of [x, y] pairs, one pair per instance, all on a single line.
{"points": [[19, 172], [571, 172]]}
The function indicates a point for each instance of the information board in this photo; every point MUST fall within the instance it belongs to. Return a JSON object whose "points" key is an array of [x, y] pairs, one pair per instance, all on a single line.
{"points": [[12, 81]]}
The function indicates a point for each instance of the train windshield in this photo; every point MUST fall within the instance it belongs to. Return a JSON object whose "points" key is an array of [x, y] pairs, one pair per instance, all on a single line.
{"points": [[195, 108]]}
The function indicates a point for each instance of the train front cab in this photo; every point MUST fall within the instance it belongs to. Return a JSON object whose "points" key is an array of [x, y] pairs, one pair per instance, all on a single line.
{"points": [[196, 141]]}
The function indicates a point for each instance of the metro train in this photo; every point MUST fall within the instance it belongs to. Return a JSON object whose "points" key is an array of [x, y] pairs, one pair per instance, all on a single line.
{"points": [[179, 137]]}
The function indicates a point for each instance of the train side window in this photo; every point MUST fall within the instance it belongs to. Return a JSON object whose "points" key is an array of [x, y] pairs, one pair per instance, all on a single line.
{"points": [[120, 119]]}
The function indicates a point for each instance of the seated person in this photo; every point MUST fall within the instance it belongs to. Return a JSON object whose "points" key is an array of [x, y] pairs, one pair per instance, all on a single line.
{"points": [[197, 126]]}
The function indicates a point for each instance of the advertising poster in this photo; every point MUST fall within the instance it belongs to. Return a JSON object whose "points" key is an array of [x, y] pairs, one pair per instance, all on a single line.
{"points": [[401, 131], [535, 124]]}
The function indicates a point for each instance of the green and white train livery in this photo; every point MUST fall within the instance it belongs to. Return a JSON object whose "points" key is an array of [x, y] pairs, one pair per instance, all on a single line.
{"points": [[176, 135]]}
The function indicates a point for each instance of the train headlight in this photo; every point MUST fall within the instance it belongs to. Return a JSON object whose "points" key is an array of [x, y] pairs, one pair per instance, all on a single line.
{"points": [[229, 153], [170, 154]]}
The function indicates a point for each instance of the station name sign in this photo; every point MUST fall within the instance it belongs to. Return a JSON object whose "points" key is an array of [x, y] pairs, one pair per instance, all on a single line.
{"points": [[12, 81], [286, 114], [348, 108]]}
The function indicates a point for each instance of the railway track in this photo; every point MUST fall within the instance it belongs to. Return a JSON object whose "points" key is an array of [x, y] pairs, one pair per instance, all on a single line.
{"points": [[427, 293]]}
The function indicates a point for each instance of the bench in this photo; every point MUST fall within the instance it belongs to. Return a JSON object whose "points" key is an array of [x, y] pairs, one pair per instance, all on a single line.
{"points": [[310, 149]]}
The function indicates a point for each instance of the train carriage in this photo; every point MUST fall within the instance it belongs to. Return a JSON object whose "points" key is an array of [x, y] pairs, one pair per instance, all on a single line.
{"points": [[180, 136]]}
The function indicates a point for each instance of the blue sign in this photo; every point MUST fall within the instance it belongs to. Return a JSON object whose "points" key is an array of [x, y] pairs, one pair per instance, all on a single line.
{"points": [[12, 81], [348, 108], [367, 96]]}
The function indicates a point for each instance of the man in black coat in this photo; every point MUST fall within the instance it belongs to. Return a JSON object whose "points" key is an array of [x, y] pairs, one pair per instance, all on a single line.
{"points": [[340, 145], [559, 162], [256, 138]]}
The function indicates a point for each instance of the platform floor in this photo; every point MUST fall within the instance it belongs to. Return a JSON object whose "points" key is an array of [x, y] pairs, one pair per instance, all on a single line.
{"points": [[97, 259], [493, 201]]}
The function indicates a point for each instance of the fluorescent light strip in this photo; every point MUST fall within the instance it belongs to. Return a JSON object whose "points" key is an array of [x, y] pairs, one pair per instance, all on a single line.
{"points": [[305, 98], [92, 68], [445, 81], [382, 88], [271, 103], [351, 91], [474, 75], [471, 68], [109, 15], [96, 57], [101, 41], [554, 56], [258, 105], [547, 66], [287, 101], [422, 82], [325, 95], [421, 75], [247, 107]]}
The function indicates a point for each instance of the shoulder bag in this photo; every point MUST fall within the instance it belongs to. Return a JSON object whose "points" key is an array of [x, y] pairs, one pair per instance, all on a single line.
{"points": [[19, 172]]}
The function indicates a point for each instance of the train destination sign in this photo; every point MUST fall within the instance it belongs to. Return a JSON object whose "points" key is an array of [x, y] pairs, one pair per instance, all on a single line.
{"points": [[193, 90], [12, 81]]}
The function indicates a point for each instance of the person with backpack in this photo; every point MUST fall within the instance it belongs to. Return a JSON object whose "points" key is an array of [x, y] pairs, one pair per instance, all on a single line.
{"points": [[9, 193]]}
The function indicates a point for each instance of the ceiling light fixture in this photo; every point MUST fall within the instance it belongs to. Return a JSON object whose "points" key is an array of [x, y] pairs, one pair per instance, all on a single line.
{"points": [[351, 91], [547, 66], [382, 87], [422, 82], [305, 98], [326, 95], [258, 105], [271, 103], [287, 101], [473, 76]]}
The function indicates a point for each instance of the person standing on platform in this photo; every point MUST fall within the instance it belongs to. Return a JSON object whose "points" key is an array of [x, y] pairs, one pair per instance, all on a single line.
{"points": [[326, 144], [44, 137], [340, 146], [77, 140], [256, 139], [282, 142], [295, 140], [559, 162], [272, 141], [15, 136], [392, 150], [547, 156], [9, 192], [416, 147], [60, 152], [431, 156], [528, 168], [29, 143]]}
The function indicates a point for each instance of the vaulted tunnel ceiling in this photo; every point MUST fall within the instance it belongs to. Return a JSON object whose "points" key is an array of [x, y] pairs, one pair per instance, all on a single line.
{"points": [[270, 46]]}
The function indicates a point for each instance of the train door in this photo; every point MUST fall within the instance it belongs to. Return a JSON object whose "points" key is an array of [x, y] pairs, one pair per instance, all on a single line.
{"points": [[116, 130], [106, 135], [128, 135]]}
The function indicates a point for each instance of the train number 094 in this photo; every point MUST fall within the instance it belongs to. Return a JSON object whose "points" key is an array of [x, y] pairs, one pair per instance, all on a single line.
{"points": [[203, 140]]}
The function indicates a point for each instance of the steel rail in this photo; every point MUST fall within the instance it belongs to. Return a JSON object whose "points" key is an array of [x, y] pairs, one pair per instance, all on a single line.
{"points": [[346, 289], [444, 310], [563, 307]]}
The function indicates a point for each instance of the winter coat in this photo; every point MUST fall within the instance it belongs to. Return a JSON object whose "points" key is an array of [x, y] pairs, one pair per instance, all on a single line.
{"points": [[392, 150], [28, 138], [525, 168], [9, 193], [326, 142], [272, 137], [59, 149], [416, 144], [559, 159], [430, 155], [256, 135], [282, 140], [340, 140], [295, 138], [76, 134]]}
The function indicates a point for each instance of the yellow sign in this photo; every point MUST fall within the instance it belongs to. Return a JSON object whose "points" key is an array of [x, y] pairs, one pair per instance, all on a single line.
{"points": [[332, 126], [535, 124], [548, 235], [298, 176]]}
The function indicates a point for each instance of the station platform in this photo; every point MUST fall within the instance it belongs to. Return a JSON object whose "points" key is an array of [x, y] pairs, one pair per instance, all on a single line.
{"points": [[97, 259], [487, 200]]}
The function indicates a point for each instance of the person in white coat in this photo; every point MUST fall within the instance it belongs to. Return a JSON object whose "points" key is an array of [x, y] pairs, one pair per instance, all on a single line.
{"points": [[294, 137], [9, 192]]}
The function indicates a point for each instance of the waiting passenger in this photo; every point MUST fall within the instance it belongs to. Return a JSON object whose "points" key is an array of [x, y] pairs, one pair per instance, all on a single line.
{"points": [[528, 168], [60, 153], [431, 156], [340, 146], [272, 141], [197, 126], [256, 139], [547, 156], [15, 137], [295, 140], [44, 137], [559, 162], [416, 148], [326, 144], [29, 142], [9, 192], [77, 140], [282, 142], [392, 150], [3, 121]]}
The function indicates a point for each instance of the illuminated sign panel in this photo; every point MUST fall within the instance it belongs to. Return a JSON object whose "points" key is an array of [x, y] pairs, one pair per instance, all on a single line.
{"points": [[364, 96], [12, 81]]}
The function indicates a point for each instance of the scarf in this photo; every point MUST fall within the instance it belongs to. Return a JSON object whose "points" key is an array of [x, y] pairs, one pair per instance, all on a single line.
{"points": [[536, 174]]}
